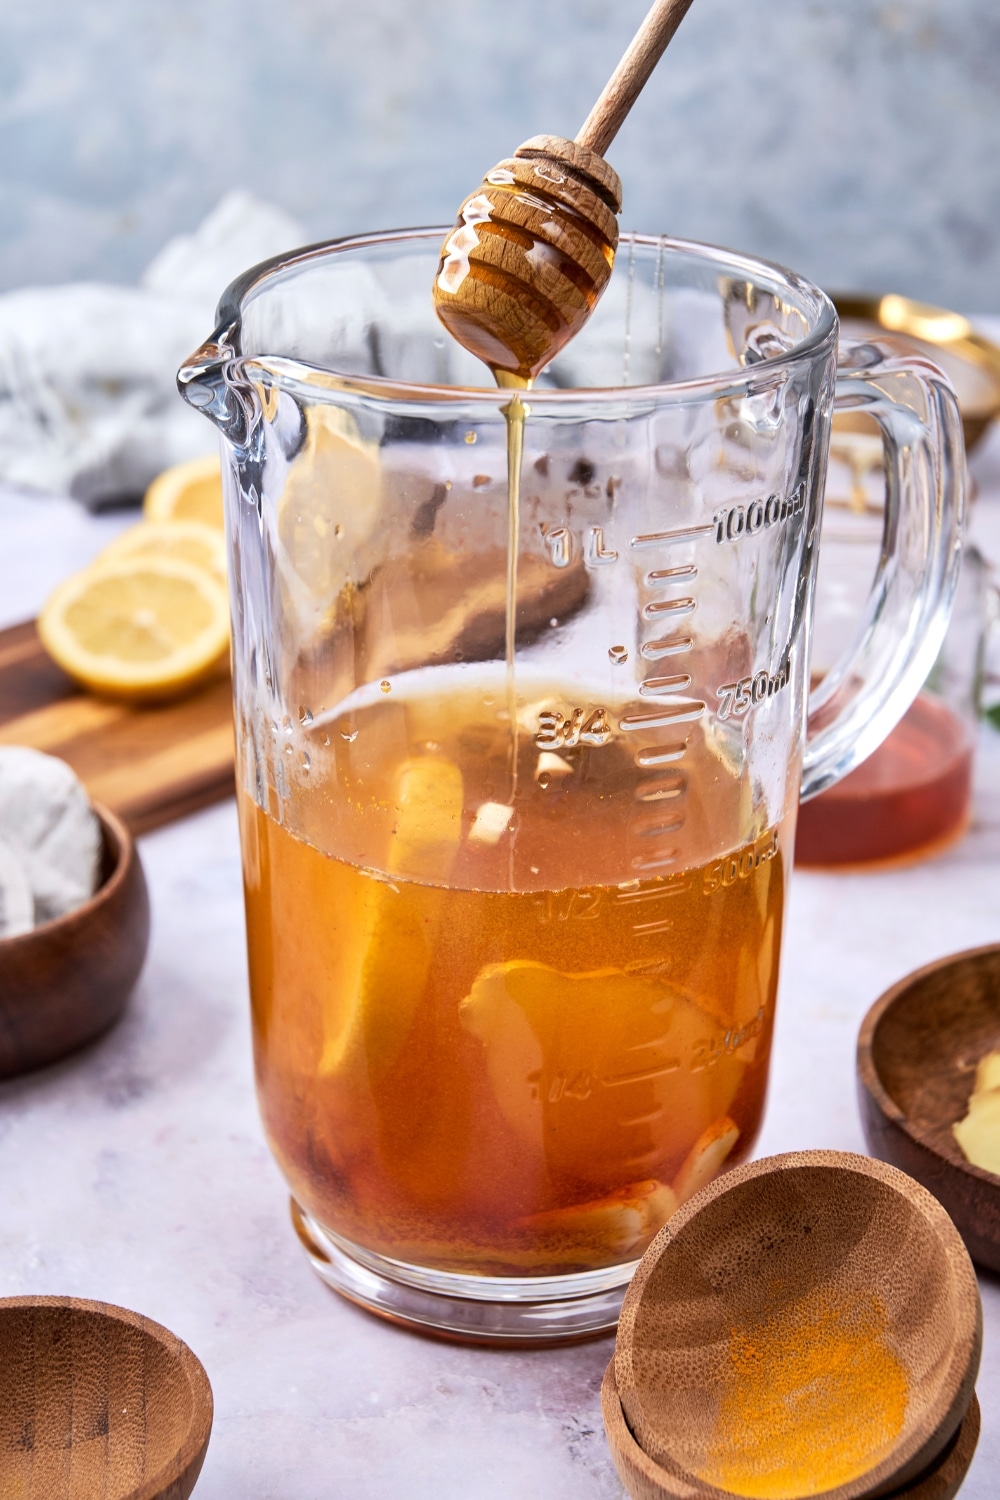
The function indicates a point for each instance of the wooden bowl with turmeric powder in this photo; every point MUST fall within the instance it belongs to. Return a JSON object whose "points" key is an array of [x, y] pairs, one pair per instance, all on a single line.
{"points": [[807, 1324]]}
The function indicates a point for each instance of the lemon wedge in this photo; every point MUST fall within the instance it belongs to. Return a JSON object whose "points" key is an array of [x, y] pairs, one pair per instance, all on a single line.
{"points": [[138, 628], [394, 946], [331, 504], [187, 492], [191, 542]]}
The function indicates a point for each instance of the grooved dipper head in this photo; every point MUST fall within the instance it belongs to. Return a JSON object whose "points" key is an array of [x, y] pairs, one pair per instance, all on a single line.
{"points": [[529, 256]]}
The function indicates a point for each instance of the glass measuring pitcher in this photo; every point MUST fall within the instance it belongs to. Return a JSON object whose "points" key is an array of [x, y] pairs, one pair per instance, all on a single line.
{"points": [[518, 784]]}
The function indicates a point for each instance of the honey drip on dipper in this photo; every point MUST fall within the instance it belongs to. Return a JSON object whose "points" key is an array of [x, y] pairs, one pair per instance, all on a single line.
{"points": [[529, 258]]}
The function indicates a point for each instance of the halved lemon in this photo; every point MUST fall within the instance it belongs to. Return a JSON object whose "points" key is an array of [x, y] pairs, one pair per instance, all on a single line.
{"points": [[140, 628], [187, 492], [184, 541]]}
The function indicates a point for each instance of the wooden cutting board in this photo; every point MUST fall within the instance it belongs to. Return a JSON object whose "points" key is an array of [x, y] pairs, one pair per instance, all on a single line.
{"points": [[150, 765]]}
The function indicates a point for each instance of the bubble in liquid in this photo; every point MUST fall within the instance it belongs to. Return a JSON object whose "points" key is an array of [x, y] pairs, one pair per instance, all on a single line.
{"points": [[618, 654], [553, 623], [305, 716], [350, 735], [338, 531], [305, 761], [544, 780], [471, 437], [385, 685]]}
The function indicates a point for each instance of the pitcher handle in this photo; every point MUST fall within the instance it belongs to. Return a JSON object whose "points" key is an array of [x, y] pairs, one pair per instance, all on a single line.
{"points": [[867, 692]]}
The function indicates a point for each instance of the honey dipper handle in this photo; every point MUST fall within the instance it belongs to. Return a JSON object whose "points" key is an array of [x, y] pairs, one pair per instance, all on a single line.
{"points": [[631, 75]]}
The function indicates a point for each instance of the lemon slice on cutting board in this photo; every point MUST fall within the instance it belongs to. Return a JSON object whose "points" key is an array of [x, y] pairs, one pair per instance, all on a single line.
{"points": [[139, 628], [183, 541], [187, 492]]}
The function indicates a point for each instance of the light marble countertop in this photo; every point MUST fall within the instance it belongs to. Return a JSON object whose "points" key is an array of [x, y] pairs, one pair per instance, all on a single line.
{"points": [[136, 1172]]}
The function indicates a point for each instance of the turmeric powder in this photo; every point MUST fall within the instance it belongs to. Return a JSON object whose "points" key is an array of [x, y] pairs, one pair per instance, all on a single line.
{"points": [[814, 1397]]}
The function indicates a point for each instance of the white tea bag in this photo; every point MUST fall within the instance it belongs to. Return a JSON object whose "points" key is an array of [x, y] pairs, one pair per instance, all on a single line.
{"points": [[47, 822]]}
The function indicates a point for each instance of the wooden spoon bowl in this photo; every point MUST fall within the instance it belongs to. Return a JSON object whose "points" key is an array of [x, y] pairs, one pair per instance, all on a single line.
{"points": [[918, 1050], [68, 980], [818, 1284], [96, 1401]]}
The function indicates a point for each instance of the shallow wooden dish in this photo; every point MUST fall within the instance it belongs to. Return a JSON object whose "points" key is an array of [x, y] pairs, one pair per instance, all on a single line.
{"points": [[96, 1401], [645, 1480], [68, 980], [783, 1254], [917, 1054], [971, 362]]}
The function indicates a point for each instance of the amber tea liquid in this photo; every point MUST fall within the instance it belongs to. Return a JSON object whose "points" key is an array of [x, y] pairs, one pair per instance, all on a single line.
{"points": [[483, 1042]]}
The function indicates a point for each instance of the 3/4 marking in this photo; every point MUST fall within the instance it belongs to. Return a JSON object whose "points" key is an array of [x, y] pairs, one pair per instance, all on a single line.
{"points": [[584, 726], [747, 520], [737, 698]]}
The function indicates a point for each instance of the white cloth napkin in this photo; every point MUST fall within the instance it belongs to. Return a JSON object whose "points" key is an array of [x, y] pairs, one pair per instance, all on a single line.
{"points": [[88, 403]]}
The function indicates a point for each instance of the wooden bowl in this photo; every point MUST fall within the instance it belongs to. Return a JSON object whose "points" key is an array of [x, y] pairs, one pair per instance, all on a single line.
{"points": [[66, 981], [817, 1283], [96, 1401], [917, 1054], [645, 1480], [971, 362]]}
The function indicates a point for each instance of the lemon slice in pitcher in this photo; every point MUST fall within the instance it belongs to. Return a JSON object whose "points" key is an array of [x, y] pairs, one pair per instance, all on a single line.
{"points": [[141, 628], [187, 492]]}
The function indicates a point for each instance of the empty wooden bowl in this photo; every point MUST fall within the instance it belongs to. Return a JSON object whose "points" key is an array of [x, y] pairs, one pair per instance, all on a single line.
{"points": [[918, 1050], [66, 981], [97, 1403], [806, 1324]]}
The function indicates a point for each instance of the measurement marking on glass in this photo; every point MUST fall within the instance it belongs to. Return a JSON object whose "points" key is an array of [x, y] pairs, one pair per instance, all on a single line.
{"points": [[642, 1075], [662, 756], [667, 575], [654, 685], [676, 886], [674, 645], [595, 552], [684, 713], [668, 538], [676, 607], [659, 828], [661, 791], [648, 929], [655, 859]]}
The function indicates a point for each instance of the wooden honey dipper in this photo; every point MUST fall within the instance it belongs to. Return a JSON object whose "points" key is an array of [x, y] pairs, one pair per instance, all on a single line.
{"points": [[533, 247]]}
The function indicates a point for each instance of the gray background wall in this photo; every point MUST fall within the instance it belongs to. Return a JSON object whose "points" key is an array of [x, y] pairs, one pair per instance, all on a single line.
{"points": [[857, 140]]}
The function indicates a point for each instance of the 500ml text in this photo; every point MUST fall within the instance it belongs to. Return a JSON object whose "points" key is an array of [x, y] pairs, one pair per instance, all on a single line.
{"points": [[741, 865], [737, 698], [759, 515]]}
